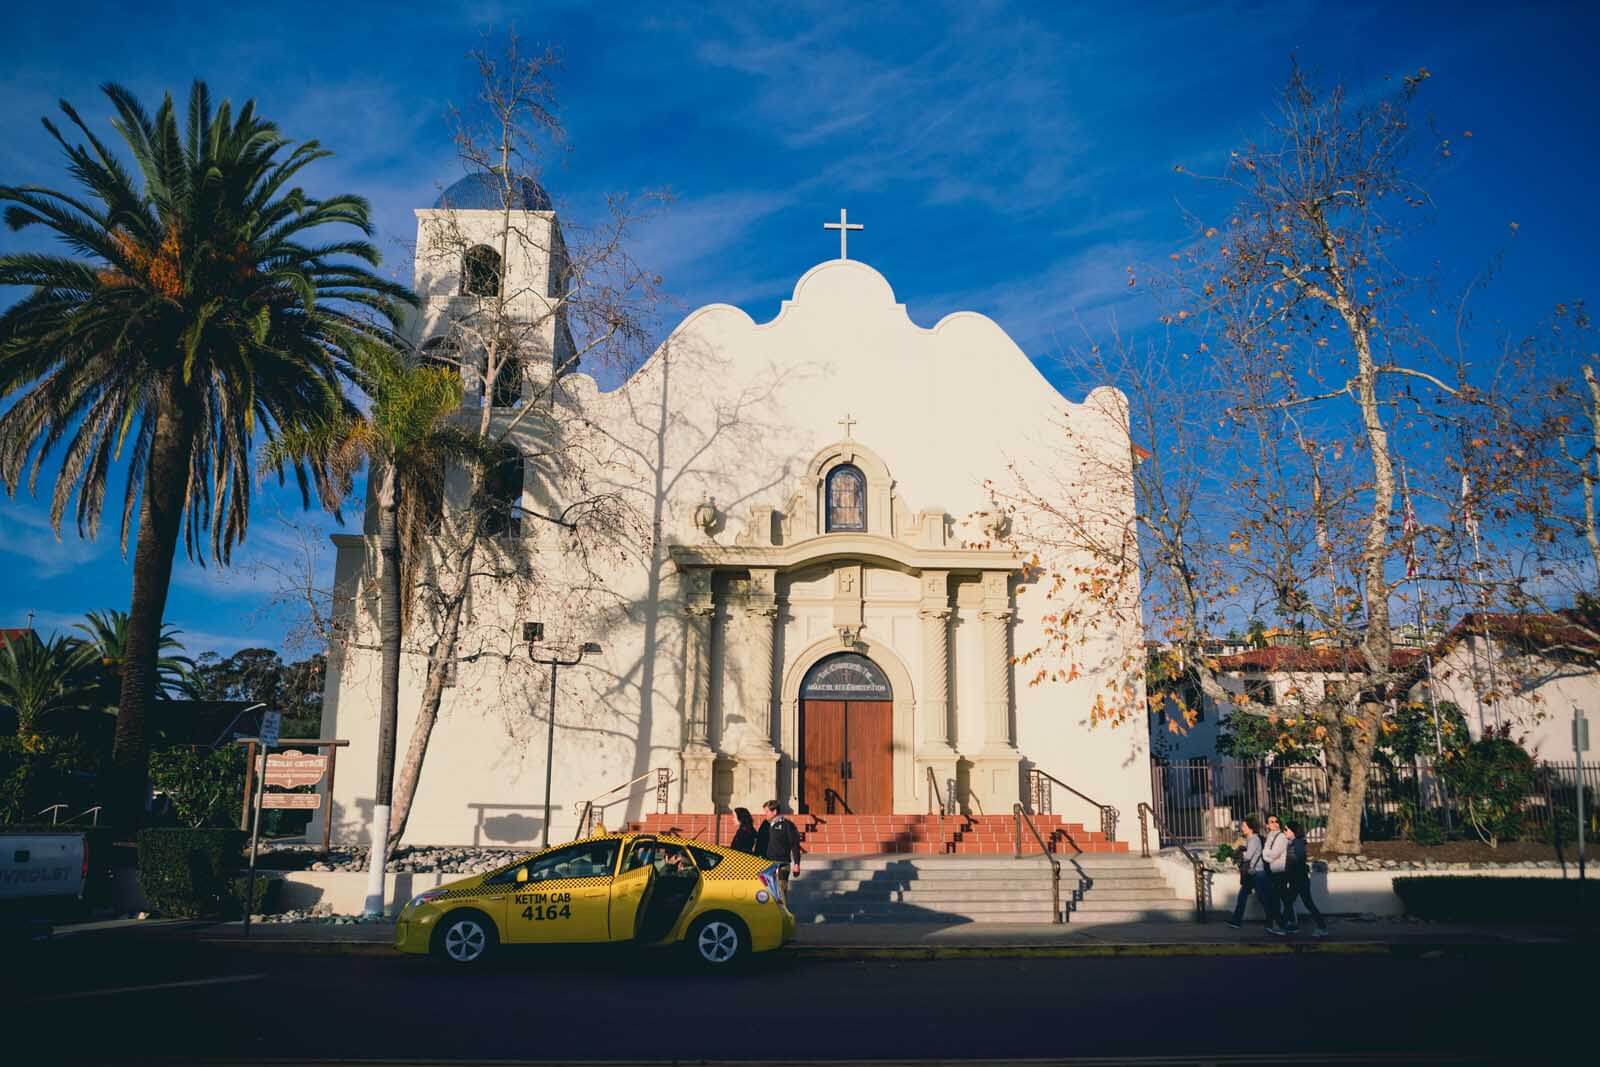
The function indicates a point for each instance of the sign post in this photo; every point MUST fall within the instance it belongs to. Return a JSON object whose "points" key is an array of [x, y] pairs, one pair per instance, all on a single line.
{"points": [[271, 722], [1580, 745]]}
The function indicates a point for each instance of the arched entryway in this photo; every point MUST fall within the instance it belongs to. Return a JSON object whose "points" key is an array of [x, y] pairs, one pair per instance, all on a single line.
{"points": [[846, 738]]}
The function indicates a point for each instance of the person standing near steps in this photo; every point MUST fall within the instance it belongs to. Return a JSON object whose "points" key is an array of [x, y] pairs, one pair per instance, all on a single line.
{"points": [[779, 839]]}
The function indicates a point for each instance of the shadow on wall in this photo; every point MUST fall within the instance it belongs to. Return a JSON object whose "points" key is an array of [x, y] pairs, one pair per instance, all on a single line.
{"points": [[501, 825], [678, 459]]}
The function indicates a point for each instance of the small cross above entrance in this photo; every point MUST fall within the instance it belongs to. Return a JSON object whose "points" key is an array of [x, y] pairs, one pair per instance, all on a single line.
{"points": [[847, 422], [844, 226]]}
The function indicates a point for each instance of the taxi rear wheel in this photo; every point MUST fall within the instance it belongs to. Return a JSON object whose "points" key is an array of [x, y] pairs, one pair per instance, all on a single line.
{"points": [[464, 938], [719, 941]]}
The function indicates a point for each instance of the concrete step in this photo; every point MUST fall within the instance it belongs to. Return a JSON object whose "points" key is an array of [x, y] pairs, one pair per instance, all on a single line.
{"points": [[1095, 888]]}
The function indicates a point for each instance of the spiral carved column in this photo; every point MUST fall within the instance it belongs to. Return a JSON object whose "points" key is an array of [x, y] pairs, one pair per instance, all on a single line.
{"points": [[936, 676]]}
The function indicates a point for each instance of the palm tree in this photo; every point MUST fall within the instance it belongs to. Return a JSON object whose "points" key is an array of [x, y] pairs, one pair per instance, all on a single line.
{"points": [[107, 636], [40, 680], [406, 442], [197, 313]]}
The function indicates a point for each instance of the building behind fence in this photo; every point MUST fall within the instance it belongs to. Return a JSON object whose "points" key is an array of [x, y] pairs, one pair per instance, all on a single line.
{"points": [[1203, 801]]}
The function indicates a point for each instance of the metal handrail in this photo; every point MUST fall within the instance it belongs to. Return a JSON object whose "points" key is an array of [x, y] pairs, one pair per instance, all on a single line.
{"points": [[830, 794], [1020, 814], [54, 810], [1041, 798], [1202, 876], [93, 812], [934, 796], [663, 778]]}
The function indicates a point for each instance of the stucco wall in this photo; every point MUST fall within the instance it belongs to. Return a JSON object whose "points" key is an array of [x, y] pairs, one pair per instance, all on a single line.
{"points": [[733, 411]]}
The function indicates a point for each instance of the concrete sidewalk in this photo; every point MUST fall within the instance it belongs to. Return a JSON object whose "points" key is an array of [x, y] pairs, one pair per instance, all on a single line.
{"points": [[939, 941]]}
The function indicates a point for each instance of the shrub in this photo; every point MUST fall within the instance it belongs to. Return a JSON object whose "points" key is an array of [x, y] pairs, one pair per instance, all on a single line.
{"points": [[37, 772], [206, 787], [1491, 779], [269, 891], [189, 872], [1484, 898]]}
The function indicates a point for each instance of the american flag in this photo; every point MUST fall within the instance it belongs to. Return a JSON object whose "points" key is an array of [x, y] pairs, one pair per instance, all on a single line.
{"points": [[1409, 528], [1467, 517]]}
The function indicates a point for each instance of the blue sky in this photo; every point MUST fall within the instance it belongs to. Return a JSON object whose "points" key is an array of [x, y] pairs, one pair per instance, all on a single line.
{"points": [[1011, 159]]}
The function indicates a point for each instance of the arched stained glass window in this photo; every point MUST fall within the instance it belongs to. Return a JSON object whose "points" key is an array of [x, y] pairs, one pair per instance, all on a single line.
{"points": [[847, 499], [480, 272]]}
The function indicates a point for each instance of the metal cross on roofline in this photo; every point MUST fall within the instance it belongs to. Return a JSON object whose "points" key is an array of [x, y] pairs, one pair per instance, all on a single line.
{"points": [[844, 226]]}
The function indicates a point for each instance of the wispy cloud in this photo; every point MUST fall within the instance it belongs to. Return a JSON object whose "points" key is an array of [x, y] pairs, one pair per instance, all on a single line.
{"points": [[978, 111], [25, 531]]}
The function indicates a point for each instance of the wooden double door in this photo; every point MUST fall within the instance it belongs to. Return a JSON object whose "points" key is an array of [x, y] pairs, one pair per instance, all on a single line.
{"points": [[847, 757]]}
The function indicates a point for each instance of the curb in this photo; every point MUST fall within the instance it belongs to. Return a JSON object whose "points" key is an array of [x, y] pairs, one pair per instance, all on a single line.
{"points": [[1427, 950]]}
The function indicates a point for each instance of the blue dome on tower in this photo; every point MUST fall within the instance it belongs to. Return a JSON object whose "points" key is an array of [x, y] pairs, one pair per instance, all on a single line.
{"points": [[483, 191]]}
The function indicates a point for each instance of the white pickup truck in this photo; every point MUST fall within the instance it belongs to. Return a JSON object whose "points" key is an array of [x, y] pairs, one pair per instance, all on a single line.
{"points": [[39, 872]]}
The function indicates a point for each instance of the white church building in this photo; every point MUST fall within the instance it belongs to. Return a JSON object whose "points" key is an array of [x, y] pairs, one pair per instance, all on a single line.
{"points": [[831, 604]]}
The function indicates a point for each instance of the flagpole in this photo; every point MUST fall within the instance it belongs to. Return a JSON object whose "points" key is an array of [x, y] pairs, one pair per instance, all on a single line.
{"points": [[1411, 528], [1483, 614]]}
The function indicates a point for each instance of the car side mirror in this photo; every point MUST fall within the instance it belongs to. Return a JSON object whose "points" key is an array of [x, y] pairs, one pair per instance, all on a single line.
{"points": [[522, 874]]}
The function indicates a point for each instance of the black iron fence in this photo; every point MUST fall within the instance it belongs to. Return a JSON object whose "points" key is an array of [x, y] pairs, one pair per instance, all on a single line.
{"points": [[1203, 801]]}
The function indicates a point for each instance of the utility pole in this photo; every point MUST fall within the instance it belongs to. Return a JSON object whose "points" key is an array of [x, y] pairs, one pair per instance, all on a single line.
{"points": [[533, 632]]}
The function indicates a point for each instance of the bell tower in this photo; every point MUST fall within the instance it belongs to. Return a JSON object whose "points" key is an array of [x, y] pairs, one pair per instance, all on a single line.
{"points": [[491, 266]]}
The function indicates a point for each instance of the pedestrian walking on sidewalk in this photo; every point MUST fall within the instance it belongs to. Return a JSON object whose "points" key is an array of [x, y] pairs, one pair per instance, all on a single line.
{"points": [[1252, 874], [1275, 857], [1297, 883]]}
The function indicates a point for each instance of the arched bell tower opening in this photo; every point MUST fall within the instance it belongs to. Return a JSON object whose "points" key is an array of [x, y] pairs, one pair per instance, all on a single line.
{"points": [[846, 753]]}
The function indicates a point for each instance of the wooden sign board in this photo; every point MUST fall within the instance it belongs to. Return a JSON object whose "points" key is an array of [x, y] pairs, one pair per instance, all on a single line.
{"points": [[297, 801], [291, 769]]}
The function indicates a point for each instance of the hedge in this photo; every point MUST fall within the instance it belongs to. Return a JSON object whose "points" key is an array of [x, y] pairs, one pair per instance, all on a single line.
{"points": [[189, 872], [1479, 897]]}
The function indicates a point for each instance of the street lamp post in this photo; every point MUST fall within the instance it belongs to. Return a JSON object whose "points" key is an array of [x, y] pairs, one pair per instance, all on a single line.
{"points": [[553, 663]]}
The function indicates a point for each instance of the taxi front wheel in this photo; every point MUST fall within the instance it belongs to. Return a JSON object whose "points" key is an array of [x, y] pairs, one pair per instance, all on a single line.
{"points": [[719, 941], [464, 938]]}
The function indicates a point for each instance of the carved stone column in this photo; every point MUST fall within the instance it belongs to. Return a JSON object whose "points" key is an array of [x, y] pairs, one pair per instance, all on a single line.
{"points": [[996, 768], [997, 678], [699, 760], [756, 780], [935, 752]]}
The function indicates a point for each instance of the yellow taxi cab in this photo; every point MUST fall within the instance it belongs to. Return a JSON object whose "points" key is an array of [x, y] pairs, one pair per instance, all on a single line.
{"points": [[643, 888]]}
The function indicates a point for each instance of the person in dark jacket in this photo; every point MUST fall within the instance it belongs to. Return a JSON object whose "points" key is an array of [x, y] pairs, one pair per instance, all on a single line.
{"points": [[1297, 883], [779, 839], [744, 838]]}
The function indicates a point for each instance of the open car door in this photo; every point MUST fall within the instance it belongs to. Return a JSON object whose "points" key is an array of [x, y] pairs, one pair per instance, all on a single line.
{"points": [[631, 889]]}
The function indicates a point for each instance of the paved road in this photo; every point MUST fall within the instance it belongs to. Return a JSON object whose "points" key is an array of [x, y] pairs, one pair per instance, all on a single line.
{"points": [[121, 998]]}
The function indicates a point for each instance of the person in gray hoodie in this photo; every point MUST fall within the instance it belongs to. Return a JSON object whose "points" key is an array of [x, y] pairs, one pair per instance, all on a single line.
{"points": [[1253, 875]]}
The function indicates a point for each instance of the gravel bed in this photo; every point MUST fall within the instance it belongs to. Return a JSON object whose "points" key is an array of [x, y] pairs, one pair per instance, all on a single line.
{"points": [[408, 859]]}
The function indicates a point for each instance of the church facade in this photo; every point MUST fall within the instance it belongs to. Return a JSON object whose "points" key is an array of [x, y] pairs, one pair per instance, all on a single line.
{"points": [[828, 608]]}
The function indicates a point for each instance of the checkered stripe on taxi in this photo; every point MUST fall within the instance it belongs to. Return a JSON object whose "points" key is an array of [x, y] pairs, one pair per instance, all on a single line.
{"points": [[522, 887]]}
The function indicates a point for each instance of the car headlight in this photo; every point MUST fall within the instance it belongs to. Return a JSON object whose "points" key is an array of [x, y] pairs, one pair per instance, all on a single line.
{"points": [[425, 898]]}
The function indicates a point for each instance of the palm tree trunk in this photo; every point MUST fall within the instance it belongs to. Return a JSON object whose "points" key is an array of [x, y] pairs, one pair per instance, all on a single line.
{"points": [[444, 651], [389, 605], [161, 506]]}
